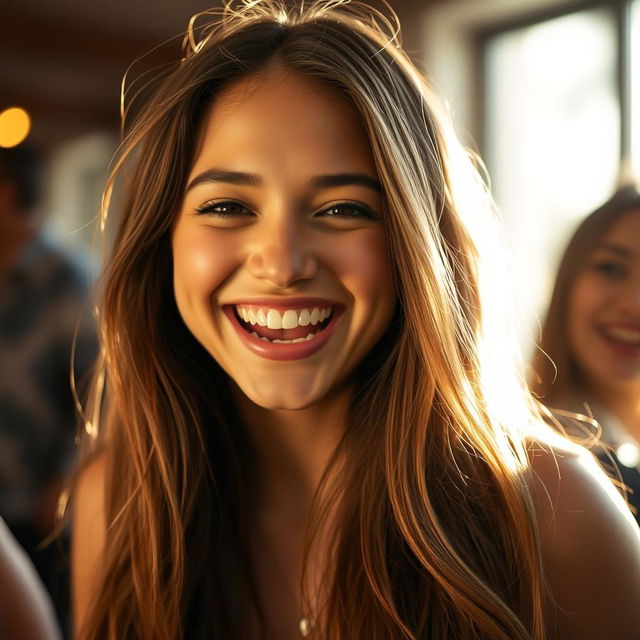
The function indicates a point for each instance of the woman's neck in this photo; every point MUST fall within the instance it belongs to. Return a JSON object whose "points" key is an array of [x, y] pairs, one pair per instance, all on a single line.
{"points": [[293, 448], [623, 403]]}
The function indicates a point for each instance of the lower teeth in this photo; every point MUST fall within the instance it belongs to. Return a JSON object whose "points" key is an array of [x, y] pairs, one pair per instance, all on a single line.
{"points": [[277, 341]]}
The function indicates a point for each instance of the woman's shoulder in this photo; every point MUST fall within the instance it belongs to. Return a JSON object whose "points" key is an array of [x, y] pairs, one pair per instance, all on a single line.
{"points": [[88, 495], [88, 532], [590, 544], [25, 609]]}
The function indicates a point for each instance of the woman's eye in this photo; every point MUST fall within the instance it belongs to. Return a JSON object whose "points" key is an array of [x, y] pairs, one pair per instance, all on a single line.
{"points": [[348, 210], [610, 269], [223, 209]]}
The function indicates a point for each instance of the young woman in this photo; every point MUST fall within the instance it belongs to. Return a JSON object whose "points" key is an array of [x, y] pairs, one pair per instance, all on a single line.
{"points": [[589, 360], [307, 429]]}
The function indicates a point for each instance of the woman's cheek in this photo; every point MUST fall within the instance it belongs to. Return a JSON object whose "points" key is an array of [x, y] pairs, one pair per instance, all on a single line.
{"points": [[200, 258], [588, 294], [363, 257]]}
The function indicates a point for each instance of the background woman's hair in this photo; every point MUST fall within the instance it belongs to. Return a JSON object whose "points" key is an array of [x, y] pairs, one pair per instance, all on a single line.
{"points": [[437, 535], [555, 377]]}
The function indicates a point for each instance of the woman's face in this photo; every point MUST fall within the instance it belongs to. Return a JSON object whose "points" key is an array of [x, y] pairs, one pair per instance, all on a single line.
{"points": [[604, 309], [281, 268]]}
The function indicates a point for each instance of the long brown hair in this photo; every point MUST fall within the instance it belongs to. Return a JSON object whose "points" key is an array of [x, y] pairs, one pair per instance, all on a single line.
{"points": [[436, 536], [555, 376]]}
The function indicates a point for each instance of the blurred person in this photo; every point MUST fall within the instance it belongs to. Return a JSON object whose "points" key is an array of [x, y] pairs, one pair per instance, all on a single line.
{"points": [[588, 361], [26, 611], [43, 292], [312, 425]]}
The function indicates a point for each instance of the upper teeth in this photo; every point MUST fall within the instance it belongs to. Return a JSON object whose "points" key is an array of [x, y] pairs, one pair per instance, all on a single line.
{"points": [[630, 336], [289, 319]]}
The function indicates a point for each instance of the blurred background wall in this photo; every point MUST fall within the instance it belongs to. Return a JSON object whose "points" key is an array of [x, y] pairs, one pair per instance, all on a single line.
{"points": [[547, 90]]}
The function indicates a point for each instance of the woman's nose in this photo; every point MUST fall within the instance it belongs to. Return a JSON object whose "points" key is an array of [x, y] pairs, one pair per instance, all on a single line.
{"points": [[282, 255]]}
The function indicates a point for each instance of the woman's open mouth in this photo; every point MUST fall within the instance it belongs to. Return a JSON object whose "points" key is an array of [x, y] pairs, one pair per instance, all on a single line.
{"points": [[625, 340], [284, 334], [287, 327]]}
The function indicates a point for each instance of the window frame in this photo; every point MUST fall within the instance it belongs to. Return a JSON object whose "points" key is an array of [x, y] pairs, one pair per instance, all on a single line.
{"points": [[620, 11]]}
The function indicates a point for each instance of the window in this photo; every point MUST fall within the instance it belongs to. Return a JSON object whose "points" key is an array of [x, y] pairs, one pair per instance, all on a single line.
{"points": [[561, 93], [634, 75]]}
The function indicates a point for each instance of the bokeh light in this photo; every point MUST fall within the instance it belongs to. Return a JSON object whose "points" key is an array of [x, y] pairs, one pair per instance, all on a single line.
{"points": [[628, 454], [15, 125]]}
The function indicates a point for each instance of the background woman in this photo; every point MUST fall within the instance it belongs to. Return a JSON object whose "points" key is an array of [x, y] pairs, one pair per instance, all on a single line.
{"points": [[589, 357], [308, 428]]}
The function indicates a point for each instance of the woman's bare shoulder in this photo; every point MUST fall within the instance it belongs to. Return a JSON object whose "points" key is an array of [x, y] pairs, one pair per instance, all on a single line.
{"points": [[92, 474], [88, 532], [88, 496], [25, 609], [590, 545]]}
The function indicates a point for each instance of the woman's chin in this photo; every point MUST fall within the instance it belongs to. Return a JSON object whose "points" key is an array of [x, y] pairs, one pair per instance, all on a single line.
{"points": [[291, 396]]}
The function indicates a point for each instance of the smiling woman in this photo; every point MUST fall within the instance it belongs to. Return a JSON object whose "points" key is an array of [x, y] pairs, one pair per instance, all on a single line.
{"points": [[285, 234], [589, 358], [309, 426]]}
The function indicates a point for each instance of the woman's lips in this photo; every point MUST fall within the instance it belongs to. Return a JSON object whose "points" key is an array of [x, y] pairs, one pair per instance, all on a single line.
{"points": [[623, 340], [279, 351]]}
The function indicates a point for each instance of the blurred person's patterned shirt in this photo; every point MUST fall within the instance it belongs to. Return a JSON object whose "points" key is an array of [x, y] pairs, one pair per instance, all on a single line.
{"points": [[43, 300]]}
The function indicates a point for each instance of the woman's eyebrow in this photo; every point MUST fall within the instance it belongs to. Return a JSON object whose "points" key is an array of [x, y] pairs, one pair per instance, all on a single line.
{"points": [[254, 180], [346, 179], [229, 177], [617, 249]]}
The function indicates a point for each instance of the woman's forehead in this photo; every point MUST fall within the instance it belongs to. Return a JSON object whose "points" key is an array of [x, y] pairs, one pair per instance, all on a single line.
{"points": [[624, 232], [277, 115]]}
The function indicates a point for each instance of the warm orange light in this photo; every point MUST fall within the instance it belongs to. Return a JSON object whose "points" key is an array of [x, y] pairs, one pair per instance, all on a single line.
{"points": [[15, 125]]}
